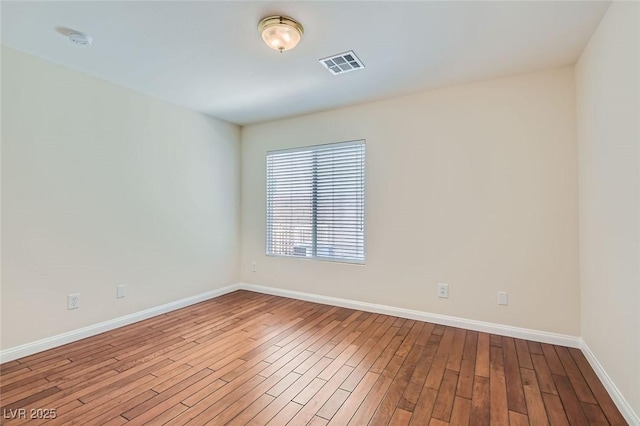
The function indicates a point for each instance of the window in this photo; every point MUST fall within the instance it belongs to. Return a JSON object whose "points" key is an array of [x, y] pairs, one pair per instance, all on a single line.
{"points": [[315, 202]]}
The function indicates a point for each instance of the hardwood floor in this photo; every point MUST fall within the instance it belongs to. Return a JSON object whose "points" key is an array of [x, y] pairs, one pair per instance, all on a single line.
{"points": [[249, 358]]}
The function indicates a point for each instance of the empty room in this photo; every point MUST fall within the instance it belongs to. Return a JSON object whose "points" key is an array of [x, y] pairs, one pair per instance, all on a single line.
{"points": [[320, 213]]}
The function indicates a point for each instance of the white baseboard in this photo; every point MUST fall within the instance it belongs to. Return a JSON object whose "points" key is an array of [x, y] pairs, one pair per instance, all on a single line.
{"points": [[487, 327], [625, 408], [91, 330]]}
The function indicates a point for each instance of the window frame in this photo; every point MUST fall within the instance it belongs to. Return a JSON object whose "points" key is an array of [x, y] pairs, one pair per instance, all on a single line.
{"points": [[314, 256]]}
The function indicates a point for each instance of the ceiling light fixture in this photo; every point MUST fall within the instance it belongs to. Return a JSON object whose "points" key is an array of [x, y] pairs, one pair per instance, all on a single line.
{"points": [[280, 32]]}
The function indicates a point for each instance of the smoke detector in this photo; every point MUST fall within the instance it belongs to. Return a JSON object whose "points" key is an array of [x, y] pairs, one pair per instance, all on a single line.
{"points": [[80, 38], [342, 63]]}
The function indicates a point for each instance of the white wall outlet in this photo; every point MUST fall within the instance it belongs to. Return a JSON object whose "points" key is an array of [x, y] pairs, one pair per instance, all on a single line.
{"points": [[502, 298], [443, 291], [254, 267], [73, 301], [121, 291]]}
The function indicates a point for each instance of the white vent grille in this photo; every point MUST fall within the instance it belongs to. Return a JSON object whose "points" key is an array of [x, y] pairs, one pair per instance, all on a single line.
{"points": [[342, 63]]}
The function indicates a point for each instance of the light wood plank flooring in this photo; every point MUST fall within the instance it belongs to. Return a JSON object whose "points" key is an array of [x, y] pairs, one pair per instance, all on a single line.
{"points": [[249, 358]]}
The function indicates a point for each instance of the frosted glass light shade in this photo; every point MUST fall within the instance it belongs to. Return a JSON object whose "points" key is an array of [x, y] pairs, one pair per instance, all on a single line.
{"points": [[280, 33]]}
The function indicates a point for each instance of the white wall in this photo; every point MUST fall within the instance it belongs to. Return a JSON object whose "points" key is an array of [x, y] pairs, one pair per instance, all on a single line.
{"points": [[608, 114], [474, 186], [104, 186]]}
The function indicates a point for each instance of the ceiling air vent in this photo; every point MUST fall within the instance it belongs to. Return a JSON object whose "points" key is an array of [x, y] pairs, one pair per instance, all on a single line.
{"points": [[342, 62]]}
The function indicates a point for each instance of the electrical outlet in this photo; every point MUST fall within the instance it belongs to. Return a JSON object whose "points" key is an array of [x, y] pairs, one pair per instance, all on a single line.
{"points": [[73, 301], [502, 298], [121, 291], [254, 268], [443, 291]]}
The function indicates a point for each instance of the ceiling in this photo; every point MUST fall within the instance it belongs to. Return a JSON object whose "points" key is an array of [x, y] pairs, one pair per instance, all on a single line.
{"points": [[209, 57]]}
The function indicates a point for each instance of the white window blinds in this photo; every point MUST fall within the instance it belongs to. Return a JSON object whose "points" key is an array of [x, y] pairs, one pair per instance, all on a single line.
{"points": [[315, 202]]}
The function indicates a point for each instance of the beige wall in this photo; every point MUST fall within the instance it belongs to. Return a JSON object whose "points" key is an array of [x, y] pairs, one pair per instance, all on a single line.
{"points": [[474, 186], [608, 105], [104, 186]]}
